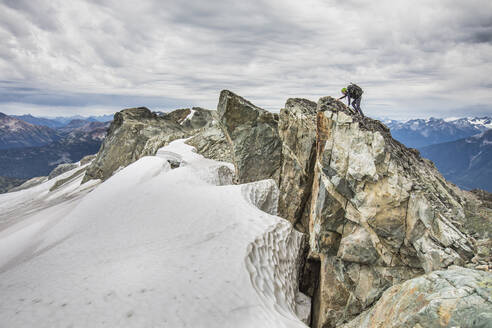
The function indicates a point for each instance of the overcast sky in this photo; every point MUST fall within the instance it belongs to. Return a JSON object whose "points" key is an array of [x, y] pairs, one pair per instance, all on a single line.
{"points": [[413, 58]]}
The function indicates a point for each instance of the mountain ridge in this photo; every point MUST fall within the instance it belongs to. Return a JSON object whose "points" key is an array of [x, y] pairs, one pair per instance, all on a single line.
{"points": [[472, 168], [15, 133], [380, 222], [371, 206], [417, 133]]}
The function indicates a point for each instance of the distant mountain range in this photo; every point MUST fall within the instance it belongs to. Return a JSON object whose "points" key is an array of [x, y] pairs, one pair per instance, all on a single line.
{"points": [[32, 146], [28, 150], [459, 147], [466, 162], [40, 161], [15, 133], [419, 133], [58, 122], [29, 131]]}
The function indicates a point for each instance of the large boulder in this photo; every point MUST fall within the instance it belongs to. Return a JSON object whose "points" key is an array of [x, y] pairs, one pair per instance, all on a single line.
{"points": [[380, 214], [451, 298], [252, 134], [134, 133], [297, 130]]}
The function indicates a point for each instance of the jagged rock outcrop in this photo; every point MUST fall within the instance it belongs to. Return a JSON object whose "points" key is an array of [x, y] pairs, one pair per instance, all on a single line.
{"points": [[211, 142], [191, 118], [380, 214], [478, 224], [7, 183], [87, 159], [60, 169], [297, 130], [252, 134], [134, 133], [451, 298], [376, 213], [30, 183]]}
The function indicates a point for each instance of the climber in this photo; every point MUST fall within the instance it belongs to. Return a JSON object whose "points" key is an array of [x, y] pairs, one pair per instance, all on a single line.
{"points": [[354, 92]]}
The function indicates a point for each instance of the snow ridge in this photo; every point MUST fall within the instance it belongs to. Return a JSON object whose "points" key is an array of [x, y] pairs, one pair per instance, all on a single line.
{"points": [[151, 246]]}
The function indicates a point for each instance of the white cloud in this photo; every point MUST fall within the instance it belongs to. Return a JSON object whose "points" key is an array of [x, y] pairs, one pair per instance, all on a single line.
{"points": [[413, 58]]}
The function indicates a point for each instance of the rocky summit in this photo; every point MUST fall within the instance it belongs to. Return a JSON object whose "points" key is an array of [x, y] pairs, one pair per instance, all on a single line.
{"points": [[391, 243], [379, 214], [134, 133]]}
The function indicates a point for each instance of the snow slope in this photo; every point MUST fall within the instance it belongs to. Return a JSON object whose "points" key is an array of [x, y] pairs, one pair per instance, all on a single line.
{"points": [[151, 247]]}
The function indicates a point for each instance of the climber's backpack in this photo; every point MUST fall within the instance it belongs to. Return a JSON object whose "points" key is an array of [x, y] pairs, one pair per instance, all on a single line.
{"points": [[354, 91]]}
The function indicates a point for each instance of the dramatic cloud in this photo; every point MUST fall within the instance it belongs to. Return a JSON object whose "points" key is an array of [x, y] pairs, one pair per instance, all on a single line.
{"points": [[413, 58]]}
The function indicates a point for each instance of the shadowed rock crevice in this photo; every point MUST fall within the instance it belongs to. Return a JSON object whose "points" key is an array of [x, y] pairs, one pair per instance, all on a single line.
{"points": [[297, 130]]}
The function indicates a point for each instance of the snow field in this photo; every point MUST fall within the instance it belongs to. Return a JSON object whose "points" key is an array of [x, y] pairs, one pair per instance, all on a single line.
{"points": [[150, 247]]}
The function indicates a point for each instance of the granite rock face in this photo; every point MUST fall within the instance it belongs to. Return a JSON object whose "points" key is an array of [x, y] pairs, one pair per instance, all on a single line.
{"points": [[297, 130], [252, 134], [134, 133], [380, 214], [456, 297]]}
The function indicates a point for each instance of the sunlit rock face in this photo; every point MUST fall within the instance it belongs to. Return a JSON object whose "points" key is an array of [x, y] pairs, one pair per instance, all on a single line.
{"points": [[380, 214]]}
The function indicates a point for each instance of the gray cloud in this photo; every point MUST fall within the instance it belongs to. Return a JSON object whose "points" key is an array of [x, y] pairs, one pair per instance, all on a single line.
{"points": [[413, 58], [33, 96]]}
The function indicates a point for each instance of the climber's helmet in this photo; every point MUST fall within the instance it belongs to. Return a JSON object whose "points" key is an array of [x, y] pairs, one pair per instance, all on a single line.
{"points": [[344, 90]]}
